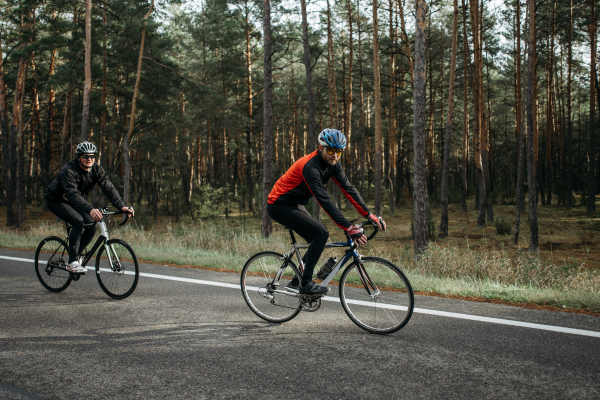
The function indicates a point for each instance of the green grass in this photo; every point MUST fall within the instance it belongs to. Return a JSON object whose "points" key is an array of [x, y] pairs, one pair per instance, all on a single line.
{"points": [[446, 270]]}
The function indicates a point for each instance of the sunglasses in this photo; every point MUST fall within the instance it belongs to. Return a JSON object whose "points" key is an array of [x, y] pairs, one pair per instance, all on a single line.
{"points": [[331, 151], [86, 157]]}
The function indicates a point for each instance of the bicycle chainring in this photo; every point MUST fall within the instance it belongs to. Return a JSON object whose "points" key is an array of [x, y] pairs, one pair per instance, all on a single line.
{"points": [[310, 303]]}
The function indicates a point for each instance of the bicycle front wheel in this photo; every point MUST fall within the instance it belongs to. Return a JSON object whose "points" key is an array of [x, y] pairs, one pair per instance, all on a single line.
{"points": [[376, 295], [269, 298], [117, 269], [51, 259]]}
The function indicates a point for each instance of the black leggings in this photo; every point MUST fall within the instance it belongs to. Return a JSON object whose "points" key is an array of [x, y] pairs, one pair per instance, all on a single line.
{"points": [[80, 235], [314, 232]]}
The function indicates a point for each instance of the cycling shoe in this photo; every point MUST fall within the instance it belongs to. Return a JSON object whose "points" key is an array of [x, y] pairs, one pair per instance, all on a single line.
{"points": [[313, 289]]}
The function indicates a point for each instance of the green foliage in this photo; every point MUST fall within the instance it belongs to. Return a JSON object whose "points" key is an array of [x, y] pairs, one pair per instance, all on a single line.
{"points": [[503, 227], [210, 202]]}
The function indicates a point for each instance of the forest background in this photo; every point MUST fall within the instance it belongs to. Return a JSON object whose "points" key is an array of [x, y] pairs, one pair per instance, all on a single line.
{"points": [[198, 107]]}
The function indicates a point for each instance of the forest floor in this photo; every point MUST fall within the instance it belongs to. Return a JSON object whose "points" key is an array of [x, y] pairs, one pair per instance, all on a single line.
{"points": [[569, 250]]}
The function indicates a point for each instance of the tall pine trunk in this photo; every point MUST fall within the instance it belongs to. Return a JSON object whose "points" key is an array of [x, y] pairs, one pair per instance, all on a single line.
{"points": [[448, 133], [87, 88], [420, 182], [569, 138], [377, 100], [465, 150], [591, 145], [266, 225], [531, 170], [312, 145], [519, 129], [129, 134]]}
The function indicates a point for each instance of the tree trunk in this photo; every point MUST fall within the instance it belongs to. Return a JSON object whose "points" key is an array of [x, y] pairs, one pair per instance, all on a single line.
{"points": [[18, 125], [266, 225], [531, 171], [465, 153], [312, 145], [104, 104], [391, 132], [331, 73], [87, 88], [348, 113], [569, 138], [8, 172], [128, 136], [377, 100], [519, 129], [406, 43], [446, 167], [361, 107], [591, 145], [420, 183]]}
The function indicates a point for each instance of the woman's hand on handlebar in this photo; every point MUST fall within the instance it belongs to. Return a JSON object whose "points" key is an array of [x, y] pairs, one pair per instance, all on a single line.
{"points": [[128, 210], [96, 214]]}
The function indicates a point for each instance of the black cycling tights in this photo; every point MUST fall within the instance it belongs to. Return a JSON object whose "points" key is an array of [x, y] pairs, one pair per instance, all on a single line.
{"points": [[78, 238], [314, 232]]}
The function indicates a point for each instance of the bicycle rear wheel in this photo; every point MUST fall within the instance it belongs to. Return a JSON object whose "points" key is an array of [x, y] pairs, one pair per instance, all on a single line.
{"points": [[117, 272], [51, 259], [376, 295], [266, 298]]}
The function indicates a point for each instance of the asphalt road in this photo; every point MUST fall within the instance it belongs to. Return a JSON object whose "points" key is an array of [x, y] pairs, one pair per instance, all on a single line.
{"points": [[184, 340]]}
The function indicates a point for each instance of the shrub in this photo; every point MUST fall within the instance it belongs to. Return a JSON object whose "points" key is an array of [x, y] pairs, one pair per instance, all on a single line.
{"points": [[503, 227]]}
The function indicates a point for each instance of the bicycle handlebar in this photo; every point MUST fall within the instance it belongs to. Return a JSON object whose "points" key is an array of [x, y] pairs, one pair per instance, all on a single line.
{"points": [[118, 212]]}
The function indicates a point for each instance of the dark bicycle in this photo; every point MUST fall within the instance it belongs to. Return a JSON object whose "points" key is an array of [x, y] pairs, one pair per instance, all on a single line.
{"points": [[374, 292], [117, 268]]}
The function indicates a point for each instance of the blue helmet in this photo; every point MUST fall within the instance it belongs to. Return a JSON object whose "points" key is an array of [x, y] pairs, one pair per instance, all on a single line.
{"points": [[332, 138]]}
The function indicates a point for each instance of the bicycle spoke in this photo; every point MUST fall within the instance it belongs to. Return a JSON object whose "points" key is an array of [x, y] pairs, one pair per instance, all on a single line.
{"points": [[117, 269], [51, 259], [376, 295], [267, 298]]}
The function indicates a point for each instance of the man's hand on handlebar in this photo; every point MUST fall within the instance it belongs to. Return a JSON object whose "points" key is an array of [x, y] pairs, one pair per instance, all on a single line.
{"points": [[378, 221], [96, 214], [129, 211], [357, 234]]}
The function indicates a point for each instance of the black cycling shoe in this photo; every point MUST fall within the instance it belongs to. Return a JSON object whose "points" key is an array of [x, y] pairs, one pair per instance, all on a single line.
{"points": [[294, 283], [313, 289]]}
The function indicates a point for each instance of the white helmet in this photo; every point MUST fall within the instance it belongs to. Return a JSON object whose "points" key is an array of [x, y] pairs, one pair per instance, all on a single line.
{"points": [[86, 148]]}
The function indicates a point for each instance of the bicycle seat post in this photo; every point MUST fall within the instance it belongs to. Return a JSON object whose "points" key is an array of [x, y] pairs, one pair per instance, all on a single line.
{"points": [[292, 236]]}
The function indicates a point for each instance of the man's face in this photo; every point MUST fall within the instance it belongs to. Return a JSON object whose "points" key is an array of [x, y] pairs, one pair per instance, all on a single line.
{"points": [[330, 159], [87, 160]]}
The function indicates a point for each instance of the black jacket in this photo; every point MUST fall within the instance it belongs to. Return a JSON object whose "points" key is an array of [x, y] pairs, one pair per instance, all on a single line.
{"points": [[307, 178], [73, 185]]}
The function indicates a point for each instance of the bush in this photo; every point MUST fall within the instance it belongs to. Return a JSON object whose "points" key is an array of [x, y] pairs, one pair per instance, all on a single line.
{"points": [[503, 227]]}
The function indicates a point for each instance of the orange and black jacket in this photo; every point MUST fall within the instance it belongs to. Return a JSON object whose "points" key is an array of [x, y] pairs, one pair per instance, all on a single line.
{"points": [[306, 178]]}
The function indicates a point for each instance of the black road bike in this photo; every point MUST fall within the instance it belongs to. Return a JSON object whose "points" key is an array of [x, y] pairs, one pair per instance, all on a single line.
{"points": [[373, 291], [117, 268]]}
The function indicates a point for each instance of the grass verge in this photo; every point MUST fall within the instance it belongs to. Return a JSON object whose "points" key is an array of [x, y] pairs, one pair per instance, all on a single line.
{"points": [[444, 270]]}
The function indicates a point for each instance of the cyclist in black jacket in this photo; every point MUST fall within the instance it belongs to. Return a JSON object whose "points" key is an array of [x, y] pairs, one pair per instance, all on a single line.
{"points": [[306, 178], [66, 198]]}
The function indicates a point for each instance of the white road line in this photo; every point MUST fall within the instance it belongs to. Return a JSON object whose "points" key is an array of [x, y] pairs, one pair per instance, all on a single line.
{"points": [[500, 321]]}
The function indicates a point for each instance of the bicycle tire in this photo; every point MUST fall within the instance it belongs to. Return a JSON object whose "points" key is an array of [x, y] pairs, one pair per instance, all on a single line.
{"points": [[256, 278], [51, 259], [390, 304], [118, 279]]}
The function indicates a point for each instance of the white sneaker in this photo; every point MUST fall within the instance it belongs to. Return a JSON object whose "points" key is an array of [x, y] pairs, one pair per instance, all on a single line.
{"points": [[76, 268]]}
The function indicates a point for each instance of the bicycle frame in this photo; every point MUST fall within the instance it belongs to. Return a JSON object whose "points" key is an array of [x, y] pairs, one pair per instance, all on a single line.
{"points": [[350, 253], [102, 239]]}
